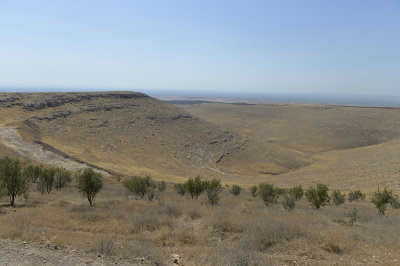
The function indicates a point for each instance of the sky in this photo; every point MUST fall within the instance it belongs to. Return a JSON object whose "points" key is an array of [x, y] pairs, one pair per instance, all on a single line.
{"points": [[298, 46]]}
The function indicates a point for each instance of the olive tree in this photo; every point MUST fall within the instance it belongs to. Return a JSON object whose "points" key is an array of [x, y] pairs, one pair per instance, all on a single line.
{"points": [[318, 196], [89, 183], [12, 180]]}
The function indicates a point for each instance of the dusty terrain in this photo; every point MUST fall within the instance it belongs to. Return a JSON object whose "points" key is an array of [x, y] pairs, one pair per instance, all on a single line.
{"points": [[131, 133]]}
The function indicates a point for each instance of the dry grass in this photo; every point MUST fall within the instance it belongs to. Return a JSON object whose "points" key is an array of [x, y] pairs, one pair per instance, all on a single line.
{"points": [[239, 231]]}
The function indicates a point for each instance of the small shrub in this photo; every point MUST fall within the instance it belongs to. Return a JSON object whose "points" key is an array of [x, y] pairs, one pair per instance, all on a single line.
{"points": [[353, 216], [268, 193], [213, 196], [213, 184], [63, 177], [318, 196], [46, 180], [395, 203], [381, 199], [297, 192], [151, 193], [33, 172], [180, 189], [338, 198], [139, 185], [235, 190], [356, 195], [253, 191], [196, 186], [89, 183], [161, 186], [289, 202]]}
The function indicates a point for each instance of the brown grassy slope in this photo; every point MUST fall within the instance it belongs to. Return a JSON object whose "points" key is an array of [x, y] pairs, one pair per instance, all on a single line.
{"points": [[304, 127], [239, 231], [132, 133]]}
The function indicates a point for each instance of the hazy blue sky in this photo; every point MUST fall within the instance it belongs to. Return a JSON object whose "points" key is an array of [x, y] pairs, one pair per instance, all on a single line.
{"points": [[350, 46]]}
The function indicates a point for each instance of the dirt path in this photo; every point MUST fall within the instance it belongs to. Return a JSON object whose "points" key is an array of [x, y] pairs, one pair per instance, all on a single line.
{"points": [[11, 138], [23, 253]]}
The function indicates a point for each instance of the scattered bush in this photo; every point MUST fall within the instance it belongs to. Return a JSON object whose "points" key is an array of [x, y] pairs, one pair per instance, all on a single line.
{"points": [[356, 195], [318, 196], [33, 172], [353, 216], [213, 196], [338, 198], [196, 186], [151, 193], [89, 183], [161, 186], [289, 202], [140, 185], [213, 184], [297, 192], [180, 189], [235, 190], [254, 191], [268, 193], [63, 177], [12, 181], [381, 199], [395, 203], [46, 180]]}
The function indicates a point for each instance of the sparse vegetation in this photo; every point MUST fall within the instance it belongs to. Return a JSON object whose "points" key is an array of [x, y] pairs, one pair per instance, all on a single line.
{"points": [[196, 186], [268, 193], [12, 181], [254, 191], [213, 196], [289, 202], [140, 185], [46, 180], [353, 216], [381, 199], [318, 196], [89, 183], [180, 189], [297, 192], [62, 179], [356, 195], [161, 186], [236, 189], [338, 197]]}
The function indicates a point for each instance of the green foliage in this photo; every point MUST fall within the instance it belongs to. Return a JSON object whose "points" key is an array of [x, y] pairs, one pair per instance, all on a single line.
{"points": [[395, 203], [318, 196], [236, 189], [213, 184], [196, 186], [280, 191], [89, 183], [33, 172], [63, 177], [353, 216], [46, 180], [289, 202], [356, 195], [12, 181], [151, 192], [161, 186], [268, 193], [338, 198], [140, 185], [180, 189], [213, 196], [381, 199], [254, 191], [297, 192]]}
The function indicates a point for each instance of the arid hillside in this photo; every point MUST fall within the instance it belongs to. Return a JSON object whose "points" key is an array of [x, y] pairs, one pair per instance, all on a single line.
{"points": [[131, 133]]}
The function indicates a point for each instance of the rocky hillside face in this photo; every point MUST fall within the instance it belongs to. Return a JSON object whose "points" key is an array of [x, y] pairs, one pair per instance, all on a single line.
{"points": [[132, 133]]}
